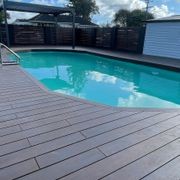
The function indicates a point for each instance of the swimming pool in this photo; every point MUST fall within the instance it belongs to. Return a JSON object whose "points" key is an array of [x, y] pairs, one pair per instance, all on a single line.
{"points": [[104, 80]]}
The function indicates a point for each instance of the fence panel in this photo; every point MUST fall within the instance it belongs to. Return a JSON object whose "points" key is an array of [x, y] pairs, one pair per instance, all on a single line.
{"points": [[130, 39], [25, 35], [123, 39], [50, 35], [85, 37], [104, 37], [64, 36]]}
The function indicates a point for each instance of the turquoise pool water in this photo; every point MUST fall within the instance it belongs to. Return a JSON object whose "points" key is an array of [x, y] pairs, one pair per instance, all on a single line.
{"points": [[104, 80]]}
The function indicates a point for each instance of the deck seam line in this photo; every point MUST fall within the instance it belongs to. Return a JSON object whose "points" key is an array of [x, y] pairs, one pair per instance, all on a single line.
{"points": [[87, 128], [44, 119], [140, 158], [25, 100], [78, 104], [62, 119], [36, 108], [77, 131], [160, 167], [41, 112], [110, 156], [95, 147]]}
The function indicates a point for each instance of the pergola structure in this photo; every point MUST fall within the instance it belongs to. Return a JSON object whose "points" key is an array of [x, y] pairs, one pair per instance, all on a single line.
{"points": [[6, 5]]}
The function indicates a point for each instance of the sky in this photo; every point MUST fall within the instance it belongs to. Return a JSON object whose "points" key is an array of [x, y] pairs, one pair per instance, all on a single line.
{"points": [[107, 8]]}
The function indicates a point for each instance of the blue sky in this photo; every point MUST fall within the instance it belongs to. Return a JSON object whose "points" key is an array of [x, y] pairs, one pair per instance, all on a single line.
{"points": [[160, 8]]}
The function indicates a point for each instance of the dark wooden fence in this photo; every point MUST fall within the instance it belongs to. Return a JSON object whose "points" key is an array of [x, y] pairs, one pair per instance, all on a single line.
{"points": [[123, 39]]}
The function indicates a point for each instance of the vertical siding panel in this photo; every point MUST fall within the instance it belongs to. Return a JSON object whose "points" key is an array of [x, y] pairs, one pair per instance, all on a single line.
{"points": [[163, 39]]}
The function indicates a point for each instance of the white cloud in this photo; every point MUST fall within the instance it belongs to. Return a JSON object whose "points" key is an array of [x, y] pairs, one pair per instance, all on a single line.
{"points": [[19, 15], [44, 2], [107, 8], [161, 11], [99, 77]]}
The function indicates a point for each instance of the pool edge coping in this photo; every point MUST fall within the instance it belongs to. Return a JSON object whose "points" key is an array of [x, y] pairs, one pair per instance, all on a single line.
{"points": [[134, 60]]}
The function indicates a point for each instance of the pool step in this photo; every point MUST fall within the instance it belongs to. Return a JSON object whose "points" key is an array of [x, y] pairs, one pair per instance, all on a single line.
{"points": [[9, 62]]}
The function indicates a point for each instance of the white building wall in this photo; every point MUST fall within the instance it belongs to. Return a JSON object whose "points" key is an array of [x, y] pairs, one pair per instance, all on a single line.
{"points": [[163, 39]]}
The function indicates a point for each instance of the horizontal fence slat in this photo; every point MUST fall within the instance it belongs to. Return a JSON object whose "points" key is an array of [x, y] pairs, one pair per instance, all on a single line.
{"points": [[122, 39]]}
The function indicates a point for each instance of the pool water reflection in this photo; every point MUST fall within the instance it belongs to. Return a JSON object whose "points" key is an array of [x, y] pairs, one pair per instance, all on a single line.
{"points": [[104, 80]]}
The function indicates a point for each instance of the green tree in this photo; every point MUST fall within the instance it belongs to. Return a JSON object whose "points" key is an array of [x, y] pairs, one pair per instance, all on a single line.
{"points": [[121, 17], [84, 8], [135, 18]]}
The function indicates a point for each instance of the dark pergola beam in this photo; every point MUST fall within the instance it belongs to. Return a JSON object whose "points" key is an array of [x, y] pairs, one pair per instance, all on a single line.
{"points": [[36, 8], [6, 23], [73, 30]]}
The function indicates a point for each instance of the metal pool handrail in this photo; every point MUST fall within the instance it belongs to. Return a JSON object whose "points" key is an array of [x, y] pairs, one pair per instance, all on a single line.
{"points": [[12, 52]]}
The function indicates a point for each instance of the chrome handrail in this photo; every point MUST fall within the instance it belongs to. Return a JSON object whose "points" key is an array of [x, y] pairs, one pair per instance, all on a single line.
{"points": [[10, 50]]}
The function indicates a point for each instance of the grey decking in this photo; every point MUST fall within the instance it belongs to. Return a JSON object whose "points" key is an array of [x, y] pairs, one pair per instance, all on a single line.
{"points": [[50, 136]]}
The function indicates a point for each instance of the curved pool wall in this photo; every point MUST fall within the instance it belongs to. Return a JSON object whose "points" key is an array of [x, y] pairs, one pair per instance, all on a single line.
{"points": [[104, 80]]}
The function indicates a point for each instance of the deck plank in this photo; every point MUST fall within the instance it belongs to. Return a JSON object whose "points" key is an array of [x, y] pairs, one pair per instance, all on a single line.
{"points": [[18, 170], [169, 171], [34, 151], [147, 164], [45, 135], [119, 160], [125, 141]]}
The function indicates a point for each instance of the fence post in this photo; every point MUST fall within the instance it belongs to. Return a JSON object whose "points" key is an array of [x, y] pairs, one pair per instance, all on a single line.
{"points": [[141, 40], [113, 37], [94, 34]]}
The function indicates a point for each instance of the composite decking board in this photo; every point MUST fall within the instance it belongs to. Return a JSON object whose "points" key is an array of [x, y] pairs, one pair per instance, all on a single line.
{"points": [[113, 163], [118, 144], [9, 130], [5, 107], [19, 91], [102, 113], [98, 141], [24, 100], [116, 124], [20, 88], [47, 118], [18, 110], [147, 164], [68, 103], [45, 99], [56, 133], [32, 112], [55, 119], [14, 146], [77, 127], [26, 97], [25, 154], [20, 94], [18, 170], [102, 141], [169, 171], [24, 86], [28, 133], [67, 166], [8, 117]]}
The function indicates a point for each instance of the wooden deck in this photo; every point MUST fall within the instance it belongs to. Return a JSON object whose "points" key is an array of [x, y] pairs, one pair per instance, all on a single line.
{"points": [[48, 136]]}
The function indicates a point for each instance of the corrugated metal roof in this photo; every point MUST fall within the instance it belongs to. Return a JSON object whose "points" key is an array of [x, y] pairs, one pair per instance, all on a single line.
{"points": [[36, 8], [173, 18]]}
